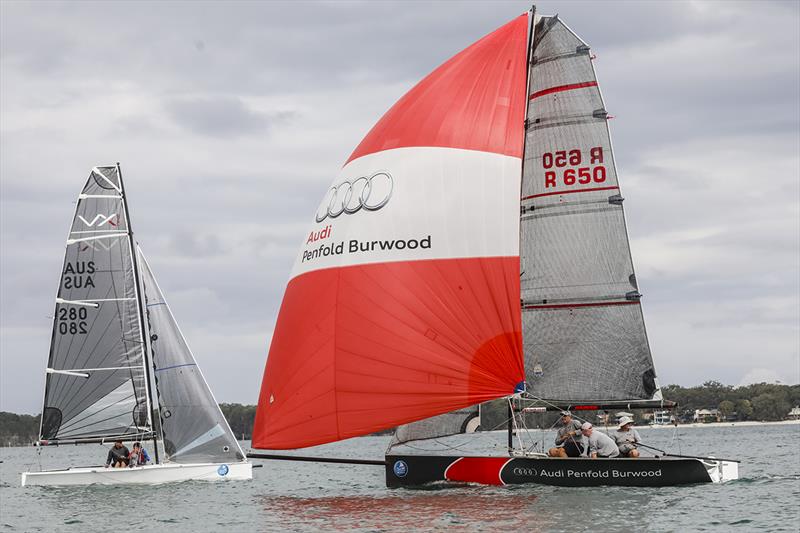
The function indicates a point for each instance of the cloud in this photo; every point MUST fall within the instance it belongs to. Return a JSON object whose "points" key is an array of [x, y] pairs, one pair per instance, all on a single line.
{"points": [[222, 116], [230, 121]]}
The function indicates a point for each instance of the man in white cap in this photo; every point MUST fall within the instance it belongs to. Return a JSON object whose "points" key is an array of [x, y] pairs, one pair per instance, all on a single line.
{"points": [[627, 438], [569, 441], [598, 444]]}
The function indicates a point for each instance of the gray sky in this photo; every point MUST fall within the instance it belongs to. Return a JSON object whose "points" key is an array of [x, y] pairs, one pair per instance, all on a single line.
{"points": [[231, 119]]}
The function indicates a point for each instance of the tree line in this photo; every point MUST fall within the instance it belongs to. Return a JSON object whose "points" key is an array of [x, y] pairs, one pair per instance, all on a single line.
{"points": [[760, 401]]}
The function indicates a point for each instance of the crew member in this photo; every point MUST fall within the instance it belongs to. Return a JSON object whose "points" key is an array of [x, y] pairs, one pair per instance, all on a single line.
{"points": [[627, 438], [598, 444], [117, 455], [569, 440], [138, 456]]}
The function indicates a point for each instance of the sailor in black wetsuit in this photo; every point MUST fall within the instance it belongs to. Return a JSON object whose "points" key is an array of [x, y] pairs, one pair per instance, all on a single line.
{"points": [[117, 455]]}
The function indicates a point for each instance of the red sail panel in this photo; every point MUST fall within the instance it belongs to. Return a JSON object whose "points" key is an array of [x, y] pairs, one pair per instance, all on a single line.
{"points": [[404, 299], [475, 101], [374, 346]]}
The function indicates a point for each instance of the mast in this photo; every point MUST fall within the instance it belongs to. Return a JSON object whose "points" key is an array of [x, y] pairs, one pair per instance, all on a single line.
{"points": [[529, 56], [140, 311]]}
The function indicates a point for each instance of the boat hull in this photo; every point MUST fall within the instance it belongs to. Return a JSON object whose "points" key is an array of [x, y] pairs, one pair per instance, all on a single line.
{"points": [[142, 475], [411, 470]]}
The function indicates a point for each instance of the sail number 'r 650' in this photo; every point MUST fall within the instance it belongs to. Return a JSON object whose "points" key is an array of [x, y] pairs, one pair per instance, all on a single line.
{"points": [[556, 174]]}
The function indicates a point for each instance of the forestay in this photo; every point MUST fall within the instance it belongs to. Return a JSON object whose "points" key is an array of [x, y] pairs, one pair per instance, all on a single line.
{"points": [[193, 427], [95, 385], [583, 329]]}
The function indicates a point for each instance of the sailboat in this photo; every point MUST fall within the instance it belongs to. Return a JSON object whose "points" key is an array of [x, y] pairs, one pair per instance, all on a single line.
{"points": [[473, 247], [119, 367]]}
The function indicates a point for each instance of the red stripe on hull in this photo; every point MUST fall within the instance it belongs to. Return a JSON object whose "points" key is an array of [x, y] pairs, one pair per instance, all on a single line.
{"points": [[474, 101], [561, 88], [364, 348], [485, 470], [614, 188]]}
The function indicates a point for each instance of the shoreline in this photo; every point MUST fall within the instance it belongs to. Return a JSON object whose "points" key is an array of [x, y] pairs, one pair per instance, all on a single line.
{"points": [[722, 424]]}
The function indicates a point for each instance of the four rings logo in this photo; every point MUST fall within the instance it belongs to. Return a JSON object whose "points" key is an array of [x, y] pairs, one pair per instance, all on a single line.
{"points": [[370, 193], [518, 471]]}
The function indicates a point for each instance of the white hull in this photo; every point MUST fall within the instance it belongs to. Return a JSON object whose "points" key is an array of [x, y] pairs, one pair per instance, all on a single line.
{"points": [[142, 475]]}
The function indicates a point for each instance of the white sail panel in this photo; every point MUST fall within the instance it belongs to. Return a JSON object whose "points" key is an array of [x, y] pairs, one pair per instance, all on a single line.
{"points": [[416, 203]]}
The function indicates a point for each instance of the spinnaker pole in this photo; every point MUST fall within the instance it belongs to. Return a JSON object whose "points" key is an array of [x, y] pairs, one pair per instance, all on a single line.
{"points": [[151, 400]]}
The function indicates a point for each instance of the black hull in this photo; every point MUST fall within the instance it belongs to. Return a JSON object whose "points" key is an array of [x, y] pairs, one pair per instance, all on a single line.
{"points": [[412, 470]]}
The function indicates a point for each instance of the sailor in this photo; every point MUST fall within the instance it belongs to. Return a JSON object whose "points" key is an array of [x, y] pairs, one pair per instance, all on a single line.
{"points": [[569, 441], [627, 438], [138, 456], [117, 455], [598, 444]]}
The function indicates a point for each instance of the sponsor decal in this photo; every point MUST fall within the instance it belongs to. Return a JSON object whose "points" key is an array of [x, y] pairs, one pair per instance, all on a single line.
{"points": [[400, 468], [355, 246], [223, 470], [568, 473], [369, 193]]}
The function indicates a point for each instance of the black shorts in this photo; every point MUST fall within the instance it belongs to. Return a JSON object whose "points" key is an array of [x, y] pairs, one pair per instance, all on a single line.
{"points": [[573, 449]]}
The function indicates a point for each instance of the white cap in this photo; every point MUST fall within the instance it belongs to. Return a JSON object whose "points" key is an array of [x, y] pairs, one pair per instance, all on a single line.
{"points": [[625, 420], [586, 425]]}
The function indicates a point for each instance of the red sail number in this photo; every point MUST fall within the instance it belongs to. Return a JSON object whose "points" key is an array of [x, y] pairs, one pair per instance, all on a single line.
{"points": [[560, 176]]}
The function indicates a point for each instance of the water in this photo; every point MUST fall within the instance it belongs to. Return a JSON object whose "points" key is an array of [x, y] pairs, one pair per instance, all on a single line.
{"points": [[289, 496]]}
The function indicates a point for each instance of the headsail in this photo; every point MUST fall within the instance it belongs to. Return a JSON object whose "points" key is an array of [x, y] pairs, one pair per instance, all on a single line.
{"points": [[404, 301], [193, 428], [583, 327], [96, 377]]}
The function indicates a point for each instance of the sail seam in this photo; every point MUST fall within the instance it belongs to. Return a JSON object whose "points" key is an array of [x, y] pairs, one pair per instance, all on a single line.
{"points": [[614, 188], [594, 304], [561, 88]]}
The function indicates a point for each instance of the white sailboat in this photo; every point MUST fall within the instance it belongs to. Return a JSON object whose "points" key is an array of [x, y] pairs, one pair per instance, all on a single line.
{"points": [[119, 367]]}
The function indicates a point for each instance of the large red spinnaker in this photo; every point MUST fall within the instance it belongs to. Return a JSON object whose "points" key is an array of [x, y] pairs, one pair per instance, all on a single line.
{"points": [[404, 299]]}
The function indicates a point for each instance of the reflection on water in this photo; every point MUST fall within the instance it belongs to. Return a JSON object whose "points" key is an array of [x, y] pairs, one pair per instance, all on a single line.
{"points": [[410, 510]]}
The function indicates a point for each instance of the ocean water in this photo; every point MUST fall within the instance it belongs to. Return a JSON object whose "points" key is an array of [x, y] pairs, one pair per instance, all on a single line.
{"points": [[292, 496]]}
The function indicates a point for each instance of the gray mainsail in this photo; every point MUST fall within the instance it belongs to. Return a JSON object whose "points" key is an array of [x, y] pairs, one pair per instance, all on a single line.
{"points": [[192, 425], [583, 329], [96, 374]]}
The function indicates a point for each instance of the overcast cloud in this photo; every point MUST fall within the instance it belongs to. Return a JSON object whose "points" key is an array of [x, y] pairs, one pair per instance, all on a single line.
{"points": [[231, 119]]}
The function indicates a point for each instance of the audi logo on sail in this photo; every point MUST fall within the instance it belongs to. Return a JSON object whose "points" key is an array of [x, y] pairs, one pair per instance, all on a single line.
{"points": [[367, 192]]}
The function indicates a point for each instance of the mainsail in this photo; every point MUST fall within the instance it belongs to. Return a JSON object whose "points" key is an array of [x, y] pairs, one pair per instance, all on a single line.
{"points": [[583, 327], [96, 376], [404, 300], [193, 428]]}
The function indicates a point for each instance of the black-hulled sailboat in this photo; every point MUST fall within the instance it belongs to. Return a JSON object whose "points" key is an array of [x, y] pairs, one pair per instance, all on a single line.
{"points": [[119, 367], [473, 247]]}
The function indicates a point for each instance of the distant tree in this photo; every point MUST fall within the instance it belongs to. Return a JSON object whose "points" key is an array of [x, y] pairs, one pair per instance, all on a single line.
{"points": [[744, 409], [726, 408], [770, 406], [18, 430], [240, 418]]}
